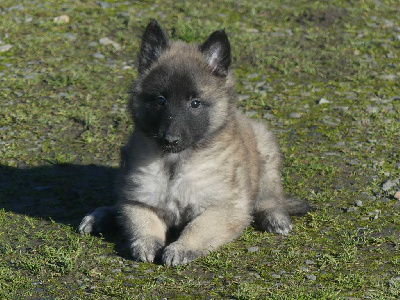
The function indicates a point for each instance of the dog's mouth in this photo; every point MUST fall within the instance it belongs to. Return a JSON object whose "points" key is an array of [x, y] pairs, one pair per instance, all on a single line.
{"points": [[172, 149]]}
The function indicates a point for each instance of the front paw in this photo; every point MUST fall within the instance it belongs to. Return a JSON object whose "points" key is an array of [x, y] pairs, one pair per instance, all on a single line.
{"points": [[146, 249], [177, 254]]}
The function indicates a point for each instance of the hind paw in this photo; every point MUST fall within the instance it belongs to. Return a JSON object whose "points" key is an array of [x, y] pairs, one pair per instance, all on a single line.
{"points": [[276, 221]]}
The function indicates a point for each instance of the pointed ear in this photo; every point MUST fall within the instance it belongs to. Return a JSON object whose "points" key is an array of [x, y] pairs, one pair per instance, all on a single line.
{"points": [[154, 42], [217, 51]]}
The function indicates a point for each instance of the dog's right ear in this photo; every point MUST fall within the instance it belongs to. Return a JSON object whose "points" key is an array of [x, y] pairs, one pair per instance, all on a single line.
{"points": [[154, 42]]}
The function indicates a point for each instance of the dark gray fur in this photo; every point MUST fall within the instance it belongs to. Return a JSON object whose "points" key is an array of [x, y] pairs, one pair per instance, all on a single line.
{"points": [[193, 163]]}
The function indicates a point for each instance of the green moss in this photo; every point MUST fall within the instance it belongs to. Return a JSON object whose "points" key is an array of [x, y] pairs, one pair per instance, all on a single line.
{"points": [[63, 110]]}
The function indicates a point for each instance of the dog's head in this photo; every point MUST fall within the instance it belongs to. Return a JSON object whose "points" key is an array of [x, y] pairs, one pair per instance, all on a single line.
{"points": [[184, 92]]}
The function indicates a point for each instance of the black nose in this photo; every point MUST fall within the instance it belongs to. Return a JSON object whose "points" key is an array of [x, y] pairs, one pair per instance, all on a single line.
{"points": [[172, 140]]}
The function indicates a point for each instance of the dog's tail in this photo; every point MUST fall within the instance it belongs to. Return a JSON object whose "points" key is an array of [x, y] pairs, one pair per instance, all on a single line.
{"points": [[296, 207]]}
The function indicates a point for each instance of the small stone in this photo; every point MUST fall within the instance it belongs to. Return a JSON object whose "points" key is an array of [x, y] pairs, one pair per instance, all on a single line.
{"points": [[358, 203], [5, 48], [372, 109], [251, 113], [351, 209], [276, 276], [311, 277], [295, 115], [107, 41], [70, 36], [388, 76], [374, 214], [61, 19], [98, 55], [93, 44], [388, 184], [268, 116], [394, 282], [323, 101], [254, 274], [309, 262], [397, 195], [252, 249]]}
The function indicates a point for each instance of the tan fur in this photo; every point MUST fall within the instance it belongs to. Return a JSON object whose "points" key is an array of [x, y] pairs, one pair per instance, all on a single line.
{"points": [[212, 190]]}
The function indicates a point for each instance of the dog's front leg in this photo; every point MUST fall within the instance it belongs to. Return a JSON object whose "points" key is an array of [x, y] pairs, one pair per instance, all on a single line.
{"points": [[213, 228], [145, 231]]}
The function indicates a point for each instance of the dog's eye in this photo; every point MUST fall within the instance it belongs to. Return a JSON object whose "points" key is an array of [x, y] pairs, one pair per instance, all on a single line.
{"points": [[160, 101], [195, 104]]}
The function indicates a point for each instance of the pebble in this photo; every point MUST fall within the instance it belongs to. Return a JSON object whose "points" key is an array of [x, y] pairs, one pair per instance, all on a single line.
{"points": [[374, 214], [388, 76], [323, 101], [295, 115], [254, 274], [388, 184], [372, 109], [252, 249], [251, 113], [70, 36], [276, 276], [394, 282], [397, 195], [5, 48], [311, 277], [328, 120], [107, 41], [98, 55], [351, 209], [358, 203], [61, 19], [309, 262]]}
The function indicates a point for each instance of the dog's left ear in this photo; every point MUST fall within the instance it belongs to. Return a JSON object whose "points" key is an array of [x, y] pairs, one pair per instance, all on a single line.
{"points": [[217, 51]]}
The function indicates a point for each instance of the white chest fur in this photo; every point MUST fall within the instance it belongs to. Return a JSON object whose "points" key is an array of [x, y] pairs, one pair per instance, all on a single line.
{"points": [[170, 184]]}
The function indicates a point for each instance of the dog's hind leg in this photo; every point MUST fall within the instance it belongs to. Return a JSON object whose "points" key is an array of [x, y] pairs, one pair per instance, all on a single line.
{"points": [[101, 219]]}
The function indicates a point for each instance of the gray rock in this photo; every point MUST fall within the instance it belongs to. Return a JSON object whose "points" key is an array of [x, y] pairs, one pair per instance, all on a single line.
{"points": [[275, 276], [252, 249], [5, 48], [388, 77], [311, 277], [98, 55], [251, 113], [389, 184], [295, 115], [328, 120], [372, 109], [323, 101], [255, 274], [394, 282], [107, 41], [351, 209], [70, 36], [358, 203], [309, 262]]}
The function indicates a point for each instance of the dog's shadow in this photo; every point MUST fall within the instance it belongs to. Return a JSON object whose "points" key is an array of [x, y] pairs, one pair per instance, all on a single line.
{"points": [[60, 193]]}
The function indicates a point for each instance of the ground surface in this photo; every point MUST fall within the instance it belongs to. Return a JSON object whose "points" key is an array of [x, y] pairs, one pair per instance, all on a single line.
{"points": [[323, 74]]}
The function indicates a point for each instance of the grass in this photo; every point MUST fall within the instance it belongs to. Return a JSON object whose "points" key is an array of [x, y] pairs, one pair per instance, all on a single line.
{"points": [[63, 119]]}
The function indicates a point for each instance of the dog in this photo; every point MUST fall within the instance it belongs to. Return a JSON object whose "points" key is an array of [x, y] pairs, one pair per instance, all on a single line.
{"points": [[193, 164]]}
